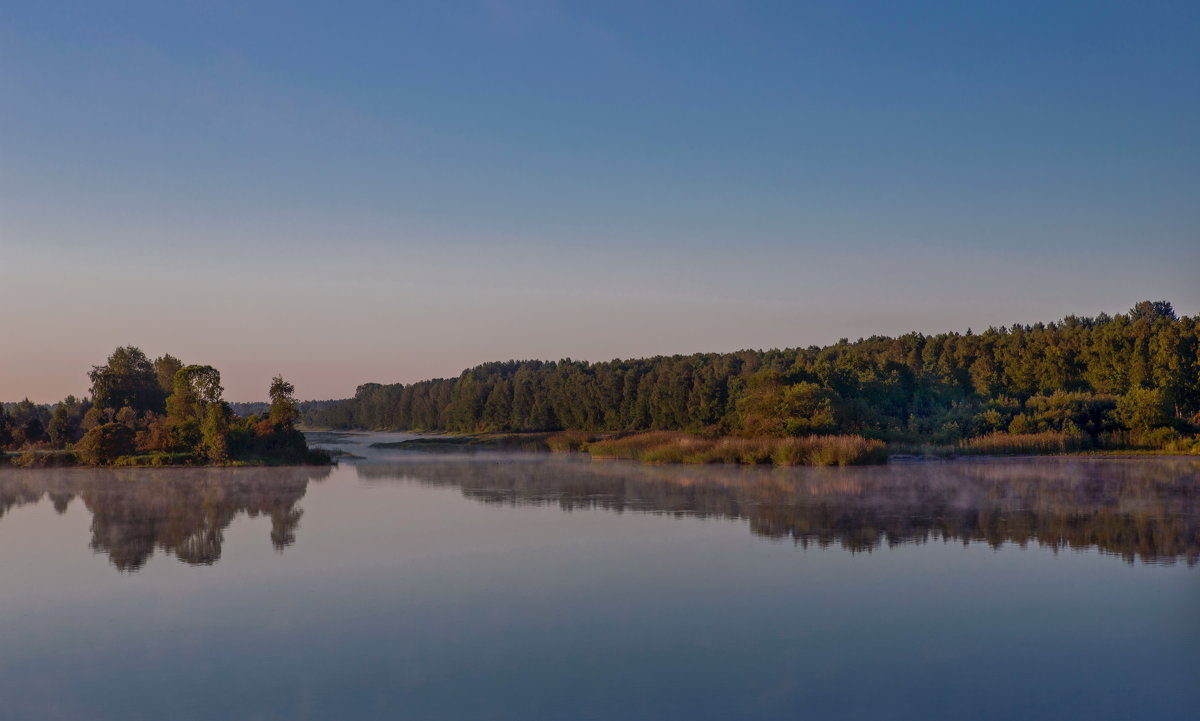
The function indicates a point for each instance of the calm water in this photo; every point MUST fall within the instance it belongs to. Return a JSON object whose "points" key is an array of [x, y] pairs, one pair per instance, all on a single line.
{"points": [[434, 586]]}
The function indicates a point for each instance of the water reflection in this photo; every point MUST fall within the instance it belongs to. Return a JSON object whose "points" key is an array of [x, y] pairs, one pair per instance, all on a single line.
{"points": [[1136, 508], [183, 512]]}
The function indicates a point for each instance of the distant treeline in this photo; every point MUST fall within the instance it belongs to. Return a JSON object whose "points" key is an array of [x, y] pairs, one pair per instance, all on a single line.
{"points": [[308, 409], [1125, 380]]}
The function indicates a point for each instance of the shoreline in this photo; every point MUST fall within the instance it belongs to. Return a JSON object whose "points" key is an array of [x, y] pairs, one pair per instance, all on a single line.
{"points": [[60, 459], [445, 441]]}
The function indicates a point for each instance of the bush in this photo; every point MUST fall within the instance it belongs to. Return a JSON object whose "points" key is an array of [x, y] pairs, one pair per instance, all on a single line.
{"points": [[1183, 445], [1158, 438], [105, 444], [44, 459]]}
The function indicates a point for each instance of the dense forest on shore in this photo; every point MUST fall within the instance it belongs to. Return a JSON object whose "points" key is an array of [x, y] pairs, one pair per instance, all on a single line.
{"points": [[160, 412], [1124, 381]]}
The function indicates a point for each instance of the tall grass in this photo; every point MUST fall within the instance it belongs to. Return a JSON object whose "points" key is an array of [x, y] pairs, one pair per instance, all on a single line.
{"points": [[674, 447], [569, 441], [1022, 444]]}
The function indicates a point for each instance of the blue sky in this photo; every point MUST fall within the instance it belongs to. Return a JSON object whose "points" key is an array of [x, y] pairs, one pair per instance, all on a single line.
{"points": [[350, 192]]}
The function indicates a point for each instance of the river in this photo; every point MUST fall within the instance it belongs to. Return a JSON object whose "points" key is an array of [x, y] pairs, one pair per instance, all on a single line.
{"points": [[496, 585]]}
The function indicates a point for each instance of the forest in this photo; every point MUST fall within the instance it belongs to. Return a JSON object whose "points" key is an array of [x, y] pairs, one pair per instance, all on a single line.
{"points": [[1126, 381], [154, 412]]}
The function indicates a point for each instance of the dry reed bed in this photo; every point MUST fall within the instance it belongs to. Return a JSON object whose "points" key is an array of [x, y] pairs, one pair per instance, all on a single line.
{"points": [[1021, 444], [675, 447]]}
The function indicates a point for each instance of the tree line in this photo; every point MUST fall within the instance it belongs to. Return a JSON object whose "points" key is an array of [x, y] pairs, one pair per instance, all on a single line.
{"points": [[161, 411], [1125, 379]]}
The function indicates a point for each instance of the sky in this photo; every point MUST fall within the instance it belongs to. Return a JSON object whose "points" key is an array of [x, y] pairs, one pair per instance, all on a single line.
{"points": [[352, 192]]}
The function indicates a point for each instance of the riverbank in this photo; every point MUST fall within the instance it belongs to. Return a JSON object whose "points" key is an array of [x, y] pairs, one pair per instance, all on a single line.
{"points": [[829, 450], [68, 458], [667, 447]]}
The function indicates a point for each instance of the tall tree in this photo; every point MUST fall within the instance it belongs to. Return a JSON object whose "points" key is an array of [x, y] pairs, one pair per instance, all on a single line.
{"points": [[60, 430], [195, 387], [214, 432], [165, 368], [285, 411], [127, 379]]}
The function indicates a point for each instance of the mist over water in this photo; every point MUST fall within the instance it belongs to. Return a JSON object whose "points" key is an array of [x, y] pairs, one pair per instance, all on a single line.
{"points": [[497, 585]]}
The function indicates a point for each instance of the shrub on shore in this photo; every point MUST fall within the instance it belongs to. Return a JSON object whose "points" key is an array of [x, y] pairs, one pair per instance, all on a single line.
{"points": [[42, 459]]}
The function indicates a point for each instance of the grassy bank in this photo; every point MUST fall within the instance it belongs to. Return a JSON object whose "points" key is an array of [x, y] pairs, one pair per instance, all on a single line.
{"points": [[827, 450], [454, 443], [1047, 443], [674, 447], [68, 458], [667, 447]]}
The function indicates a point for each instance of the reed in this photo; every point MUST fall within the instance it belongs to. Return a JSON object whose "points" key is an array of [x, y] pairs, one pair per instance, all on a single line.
{"points": [[569, 441], [1021, 444], [673, 447]]}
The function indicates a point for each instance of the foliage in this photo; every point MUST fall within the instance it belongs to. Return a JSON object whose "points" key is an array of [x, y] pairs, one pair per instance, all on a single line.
{"points": [[214, 433], [105, 443], [1100, 376], [127, 379], [165, 368], [1141, 409], [284, 411], [44, 459], [155, 413], [195, 387]]}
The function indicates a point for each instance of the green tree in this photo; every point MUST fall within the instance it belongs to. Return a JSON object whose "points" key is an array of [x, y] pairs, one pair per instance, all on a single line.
{"points": [[214, 432], [808, 408], [33, 431], [195, 387], [285, 411], [6, 437], [165, 368], [1141, 409], [1151, 311], [60, 430], [127, 379]]}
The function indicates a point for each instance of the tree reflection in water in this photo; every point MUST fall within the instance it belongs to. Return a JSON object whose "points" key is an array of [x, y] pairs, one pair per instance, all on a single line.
{"points": [[1135, 508], [1144, 509], [180, 511]]}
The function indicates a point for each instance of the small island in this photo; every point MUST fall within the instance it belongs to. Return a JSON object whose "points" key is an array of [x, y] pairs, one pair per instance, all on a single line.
{"points": [[159, 412]]}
